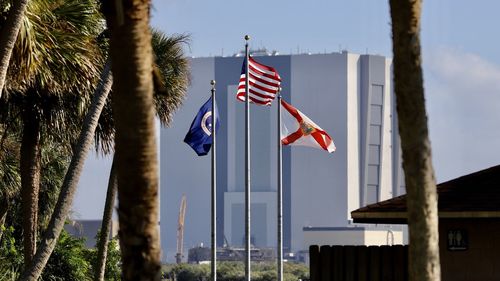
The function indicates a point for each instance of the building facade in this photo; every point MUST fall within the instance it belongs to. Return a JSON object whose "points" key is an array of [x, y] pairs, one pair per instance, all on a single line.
{"points": [[349, 95]]}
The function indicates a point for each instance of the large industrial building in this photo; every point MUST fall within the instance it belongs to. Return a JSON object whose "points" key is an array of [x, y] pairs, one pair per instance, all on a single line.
{"points": [[349, 95]]}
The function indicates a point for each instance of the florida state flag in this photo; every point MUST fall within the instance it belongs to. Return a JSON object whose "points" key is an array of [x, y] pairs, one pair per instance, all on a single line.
{"points": [[298, 129]]}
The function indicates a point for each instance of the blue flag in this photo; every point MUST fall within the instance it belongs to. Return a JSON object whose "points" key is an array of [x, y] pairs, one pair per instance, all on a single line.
{"points": [[199, 136]]}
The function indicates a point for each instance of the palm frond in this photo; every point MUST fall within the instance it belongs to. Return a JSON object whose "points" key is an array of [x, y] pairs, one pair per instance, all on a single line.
{"points": [[56, 48], [171, 62], [170, 86], [55, 65]]}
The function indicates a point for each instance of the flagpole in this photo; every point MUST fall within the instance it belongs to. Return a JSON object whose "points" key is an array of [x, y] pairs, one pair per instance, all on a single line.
{"points": [[247, 167], [213, 265], [280, 193]]}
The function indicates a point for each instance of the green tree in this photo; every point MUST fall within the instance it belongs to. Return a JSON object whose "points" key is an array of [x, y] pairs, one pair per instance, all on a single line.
{"points": [[56, 61], [417, 158], [69, 261], [234, 271], [172, 66], [70, 257], [68, 188]]}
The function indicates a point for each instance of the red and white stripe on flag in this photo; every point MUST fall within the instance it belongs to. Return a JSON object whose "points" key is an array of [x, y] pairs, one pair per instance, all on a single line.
{"points": [[264, 83], [298, 129]]}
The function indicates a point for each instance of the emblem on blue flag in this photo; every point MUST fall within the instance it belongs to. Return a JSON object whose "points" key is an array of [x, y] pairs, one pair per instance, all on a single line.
{"points": [[199, 136]]}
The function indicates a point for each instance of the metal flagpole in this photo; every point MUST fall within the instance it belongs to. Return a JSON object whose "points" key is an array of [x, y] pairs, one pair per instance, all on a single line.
{"points": [[280, 193], [247, 167], [214, 188]]}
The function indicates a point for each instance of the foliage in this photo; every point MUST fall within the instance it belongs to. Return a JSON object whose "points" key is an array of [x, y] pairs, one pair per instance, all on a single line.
{"points": [[10, 252], [72, 261], [234, 271], [68, 261], [56, 48], [113, 260], [11, 256], [171, 74], [171, 79], [10, 181], [54, 67], [55, 161]]}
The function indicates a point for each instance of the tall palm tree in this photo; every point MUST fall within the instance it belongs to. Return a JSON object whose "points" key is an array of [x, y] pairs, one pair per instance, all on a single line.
{"points": [[56, 63], [68, 189], [170, 88], [8, 34], [417, 160], [135, 145]]}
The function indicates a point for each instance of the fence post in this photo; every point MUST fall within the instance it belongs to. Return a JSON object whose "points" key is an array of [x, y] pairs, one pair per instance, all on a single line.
{"points": [[363, 263], [374, 252], [314, 263], [387, 262], [400, 263], [326, 263], [338, 263], [351, 263]]}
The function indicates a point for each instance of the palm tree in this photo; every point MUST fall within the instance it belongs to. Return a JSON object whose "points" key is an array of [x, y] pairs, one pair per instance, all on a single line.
{"points": [[65, 198], [8, 34], [172, 67], [417, 159], [56, 63], [170, 89], [135, 146]]}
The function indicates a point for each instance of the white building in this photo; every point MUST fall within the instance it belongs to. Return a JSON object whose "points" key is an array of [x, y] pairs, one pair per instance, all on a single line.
{"points": [[348, 95]]}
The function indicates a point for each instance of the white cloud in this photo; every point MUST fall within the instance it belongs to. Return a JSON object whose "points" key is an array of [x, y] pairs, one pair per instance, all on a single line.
{"points": [[463, 101]]}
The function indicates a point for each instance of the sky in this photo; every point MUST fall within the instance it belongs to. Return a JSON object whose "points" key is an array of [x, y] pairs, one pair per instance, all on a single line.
{"points": [[461, 61]]}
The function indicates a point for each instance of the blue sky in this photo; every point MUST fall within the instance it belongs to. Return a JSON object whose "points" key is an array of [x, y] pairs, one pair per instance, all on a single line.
{"points": [[460, 54]]}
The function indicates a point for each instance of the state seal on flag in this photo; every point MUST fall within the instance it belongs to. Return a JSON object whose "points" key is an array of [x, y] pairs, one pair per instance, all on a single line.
{"points": [[206, 123], [306, 128]]}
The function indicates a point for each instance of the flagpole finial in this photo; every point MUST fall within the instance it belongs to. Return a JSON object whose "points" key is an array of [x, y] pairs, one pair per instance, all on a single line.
{"points": [[212, 82], [247, 37]]}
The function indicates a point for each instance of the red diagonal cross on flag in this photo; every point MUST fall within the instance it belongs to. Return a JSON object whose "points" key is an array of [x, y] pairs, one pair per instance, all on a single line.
{"points": [[298, 129]]}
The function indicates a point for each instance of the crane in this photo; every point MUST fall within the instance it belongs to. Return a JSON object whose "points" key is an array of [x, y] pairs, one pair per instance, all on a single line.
{"points": [[180, 230]]}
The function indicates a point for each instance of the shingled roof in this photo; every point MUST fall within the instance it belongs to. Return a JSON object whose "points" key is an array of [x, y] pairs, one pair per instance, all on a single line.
{"points": [[476, 195]]}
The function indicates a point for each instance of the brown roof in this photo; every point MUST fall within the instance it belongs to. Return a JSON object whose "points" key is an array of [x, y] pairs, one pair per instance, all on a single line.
{"points": [[471, 196]]}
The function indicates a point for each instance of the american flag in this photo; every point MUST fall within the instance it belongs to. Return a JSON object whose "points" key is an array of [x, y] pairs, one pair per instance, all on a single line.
{"points": [[263, 80]]}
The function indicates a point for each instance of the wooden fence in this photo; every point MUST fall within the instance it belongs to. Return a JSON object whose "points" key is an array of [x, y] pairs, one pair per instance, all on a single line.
{"points": [[358, 263]]}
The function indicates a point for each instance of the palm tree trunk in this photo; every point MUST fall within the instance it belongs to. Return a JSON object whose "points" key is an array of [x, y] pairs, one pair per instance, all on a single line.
{"points": [[30, 181], [102, 245], [135, 147], [69, 186], [8, 36], [417, 160]]}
